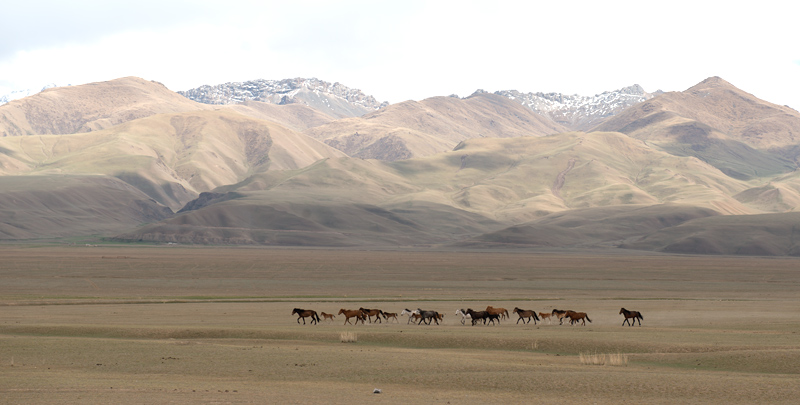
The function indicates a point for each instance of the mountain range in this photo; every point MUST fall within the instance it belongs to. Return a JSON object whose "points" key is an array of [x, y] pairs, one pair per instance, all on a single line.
{"points": [[302, 162]]}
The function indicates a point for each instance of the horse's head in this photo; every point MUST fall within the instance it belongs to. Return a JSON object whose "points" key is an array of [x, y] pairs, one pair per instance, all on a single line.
{"points": [[516, 309], [296, 311], [341, 311], [622, 311]]}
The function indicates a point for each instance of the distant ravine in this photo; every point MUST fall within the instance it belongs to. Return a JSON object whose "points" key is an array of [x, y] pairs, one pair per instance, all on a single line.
{"points": [[561, 179]]}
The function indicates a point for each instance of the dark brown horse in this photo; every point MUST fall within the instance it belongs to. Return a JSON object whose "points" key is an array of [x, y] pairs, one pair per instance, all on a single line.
{"points": [[372, 312], [304, 313], [636, 315], [352, 313], [529, 314], [482, 316], [577, 317]]}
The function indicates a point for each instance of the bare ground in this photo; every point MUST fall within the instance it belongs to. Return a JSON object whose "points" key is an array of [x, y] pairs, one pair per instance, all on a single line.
{"points": [[157, 325]]}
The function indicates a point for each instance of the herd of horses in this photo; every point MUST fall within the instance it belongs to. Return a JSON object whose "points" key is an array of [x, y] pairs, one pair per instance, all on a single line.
{"points": [[490, 316]]}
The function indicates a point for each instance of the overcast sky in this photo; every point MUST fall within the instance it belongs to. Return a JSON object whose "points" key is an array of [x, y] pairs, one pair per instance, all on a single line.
{"points": [[403, 50]]}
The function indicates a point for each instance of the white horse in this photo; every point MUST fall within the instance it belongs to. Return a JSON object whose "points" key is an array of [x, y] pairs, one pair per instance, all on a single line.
{"points": [[464, 316], [411, 315]]}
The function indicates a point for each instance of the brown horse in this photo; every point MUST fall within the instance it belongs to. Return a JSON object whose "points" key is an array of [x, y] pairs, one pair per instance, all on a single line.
{"points": [[352, 313], [526, 314], [636, 315], [387, 315], [546, 315], [498, 311], [577, 317], [327, 316], [372, 312], [304, 313]]}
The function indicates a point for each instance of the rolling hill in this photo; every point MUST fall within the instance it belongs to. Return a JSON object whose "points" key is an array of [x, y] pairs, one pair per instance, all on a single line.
{"points": [[417, 129], [714, 121], [709, 170]]}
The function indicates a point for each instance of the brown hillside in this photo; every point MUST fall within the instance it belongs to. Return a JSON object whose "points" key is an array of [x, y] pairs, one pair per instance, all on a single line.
{"points": [[591, 227], [483, 186], [90, 107], [742, 135], [297, 117], [170, 157], [416, 129], [761, 235], [69, 206], [718, 105]]}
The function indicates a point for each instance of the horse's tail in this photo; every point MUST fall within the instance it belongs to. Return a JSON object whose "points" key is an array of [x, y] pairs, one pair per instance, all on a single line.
{"points": [[536, 316], [587, 318], [640, 315], [316, 316]]}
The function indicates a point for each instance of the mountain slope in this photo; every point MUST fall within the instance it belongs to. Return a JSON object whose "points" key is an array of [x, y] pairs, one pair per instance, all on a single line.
{"points": [[68, 206], [483, 186], [416, 129], [90, 107], [718, 123], [170, 157]]}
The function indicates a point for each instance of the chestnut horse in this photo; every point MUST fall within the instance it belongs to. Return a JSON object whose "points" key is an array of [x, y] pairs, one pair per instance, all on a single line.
{"points": [[498, 311], [387, 315], [546, 315], [577, 317], [303, 313], [636, 315], [327, 316], [352, 313], [526, 314]]}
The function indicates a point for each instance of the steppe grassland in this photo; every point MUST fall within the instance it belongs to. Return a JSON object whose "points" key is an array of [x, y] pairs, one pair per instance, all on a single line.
{"points": [[158, 324]]}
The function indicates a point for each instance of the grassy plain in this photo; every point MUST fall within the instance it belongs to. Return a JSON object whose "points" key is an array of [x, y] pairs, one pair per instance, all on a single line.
{"points": [[118, 324]]}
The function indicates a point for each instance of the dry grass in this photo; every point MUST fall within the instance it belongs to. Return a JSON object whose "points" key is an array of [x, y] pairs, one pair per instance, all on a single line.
{"points": [[348, 337], [596, 359], [215, 325]]}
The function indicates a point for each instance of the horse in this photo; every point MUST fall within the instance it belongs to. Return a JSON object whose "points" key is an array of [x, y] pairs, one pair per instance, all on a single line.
{"points": [[464, 316], [428, 316], [352, 313], [498, 311], [327, 316], [546, 315], [412, 315], [526, 314], [482, 316], [636, 315], [560, 314], [303, 313], [372, 312], [577, 317], [387, 315]]}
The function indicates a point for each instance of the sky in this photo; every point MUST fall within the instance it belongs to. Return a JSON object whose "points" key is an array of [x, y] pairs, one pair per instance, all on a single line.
{"points": [[407, 50]]}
